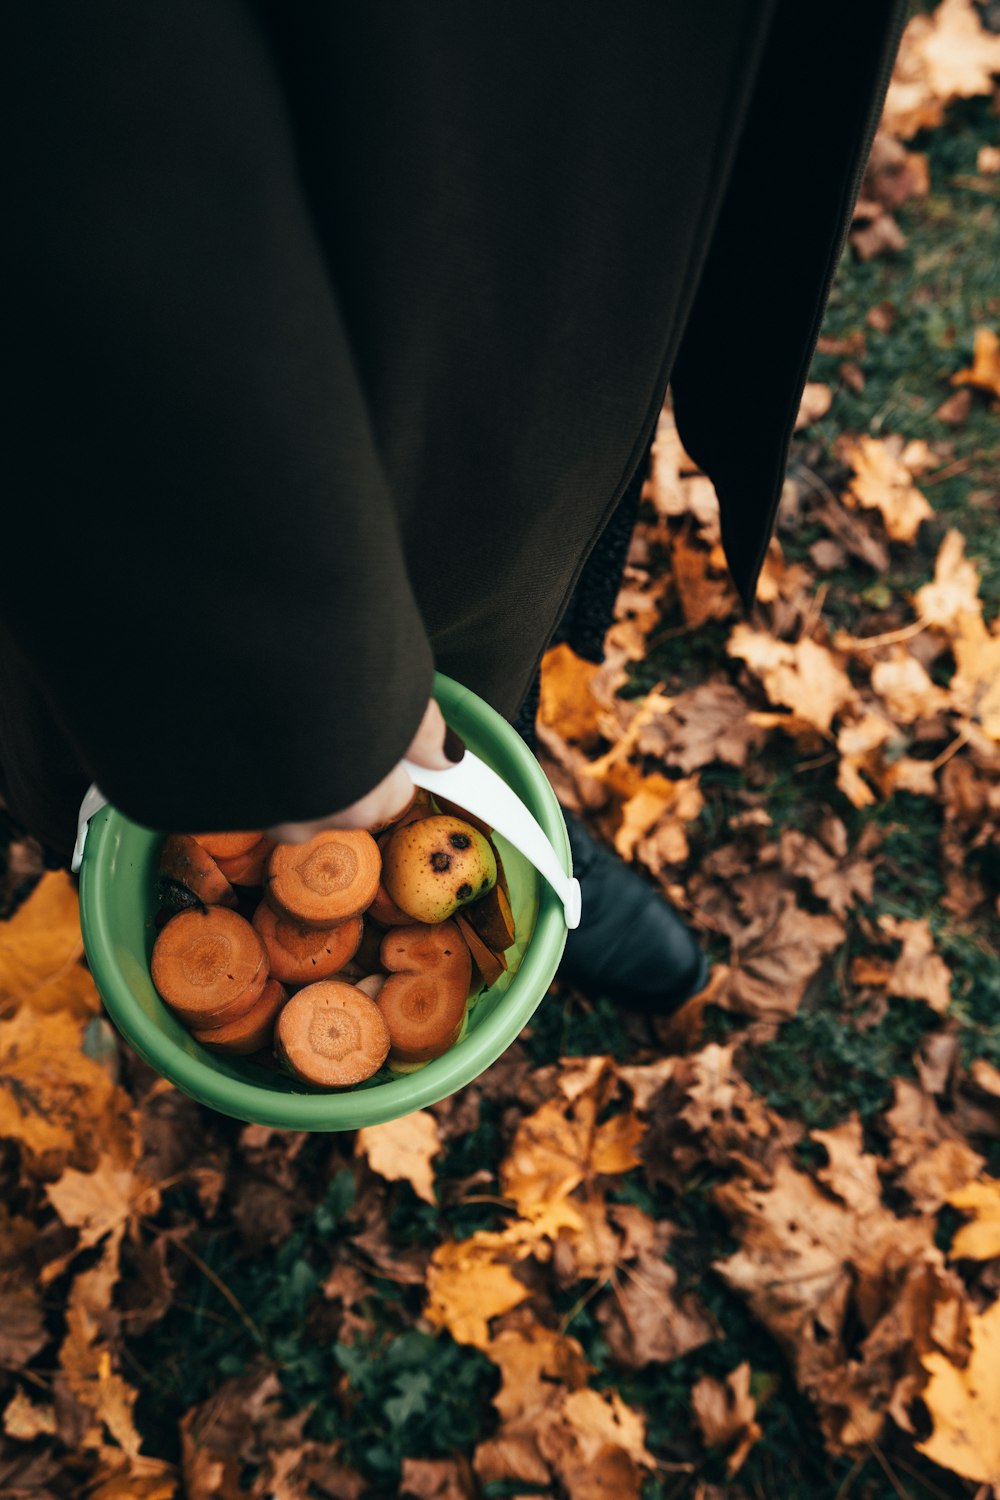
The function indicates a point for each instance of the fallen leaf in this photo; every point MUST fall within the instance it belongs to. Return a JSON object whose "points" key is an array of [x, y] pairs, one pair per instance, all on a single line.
{"points": [[984, 373], [803, 676], [964, 1405], [906, 688], [402, 1150], [705, 724], [646, 1319], [727, 1414], [945, 55], [565, 701], [954, 592], [919, 973], [815, 403], [980, 1239], [23, 1420], [882, 482], [40, 948], [774, 958]]}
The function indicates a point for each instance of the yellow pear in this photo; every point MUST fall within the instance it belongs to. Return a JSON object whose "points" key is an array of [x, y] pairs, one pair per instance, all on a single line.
{"points": [[432, 867]]}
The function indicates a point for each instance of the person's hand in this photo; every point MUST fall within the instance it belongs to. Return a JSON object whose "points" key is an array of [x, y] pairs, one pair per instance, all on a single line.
{"points": [[392, 794]]}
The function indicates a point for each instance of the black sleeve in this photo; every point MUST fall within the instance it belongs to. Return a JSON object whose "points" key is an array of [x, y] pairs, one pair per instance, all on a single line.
{"points": [[202, 562]]}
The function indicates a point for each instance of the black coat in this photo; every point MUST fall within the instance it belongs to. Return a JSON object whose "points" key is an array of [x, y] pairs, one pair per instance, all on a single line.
{"points": [[336, 334]]}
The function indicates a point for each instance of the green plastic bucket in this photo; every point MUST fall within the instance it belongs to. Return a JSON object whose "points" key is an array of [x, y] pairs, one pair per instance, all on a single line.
{"points": [[117, 909]]}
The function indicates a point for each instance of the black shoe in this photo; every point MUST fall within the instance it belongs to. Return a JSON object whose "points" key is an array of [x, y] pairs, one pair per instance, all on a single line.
{"points": [[630, 946]]}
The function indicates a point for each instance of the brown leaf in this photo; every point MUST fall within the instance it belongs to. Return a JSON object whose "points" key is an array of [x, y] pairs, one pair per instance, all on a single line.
{"points": [[774, 959], [984, 373], [839, 883], [708, 723], [954, 411], [704, 586], [727, 1414], [815, 403], [403, 1149], [933, 1158], [438, 1478], [23, 1420], [511, 1456], [906, 688], [919, 973], [954, 593], [22, 1324], [945, 55], [645, 1319]]}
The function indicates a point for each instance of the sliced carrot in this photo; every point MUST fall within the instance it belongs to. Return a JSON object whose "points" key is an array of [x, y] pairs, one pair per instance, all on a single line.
{"points": [[332, 877], [332, 1034], [300, 955], [490, 965], [247, 868], [424, 998], [185, 861], [385, 910], [250, 1032], [227, 845], [492, 918], [209, 965]]}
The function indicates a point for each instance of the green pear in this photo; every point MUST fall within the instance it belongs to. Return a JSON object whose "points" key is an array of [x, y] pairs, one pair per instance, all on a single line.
{"points": [[432, 867]]}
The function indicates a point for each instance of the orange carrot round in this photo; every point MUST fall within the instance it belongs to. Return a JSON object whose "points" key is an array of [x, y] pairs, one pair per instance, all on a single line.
{"points": [[250, 1032], [228, 845], [331, 1034], [209, 965], [300, 955], [332, 877], [247, 868], [187, 862], [423, 1000]]}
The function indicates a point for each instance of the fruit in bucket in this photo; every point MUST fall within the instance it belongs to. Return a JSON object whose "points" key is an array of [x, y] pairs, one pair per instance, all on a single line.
{"points": [[337, 957], [432, 867]]}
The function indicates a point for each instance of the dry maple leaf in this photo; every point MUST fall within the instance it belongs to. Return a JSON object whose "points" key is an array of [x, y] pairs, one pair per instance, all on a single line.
{"points": [[945, 55], [838, 882], [705, 590], [883, 482], [658, 811], [54, 1099], [403, 1149], [24, 1420], [565, 702], [975, 686], [984, 373], [467, 1285], [727, 1414], [539, 1366], [708, 723], [645, 1318], [775, 957], [919, 973], [954, 591], [933, 1158], [979, 1239], [801, 675], [40, 946], [906, 689], [965, 1405]]}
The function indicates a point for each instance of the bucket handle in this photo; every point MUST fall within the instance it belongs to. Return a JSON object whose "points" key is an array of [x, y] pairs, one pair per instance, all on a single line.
{"points": [[474, 785], [471, 784]]}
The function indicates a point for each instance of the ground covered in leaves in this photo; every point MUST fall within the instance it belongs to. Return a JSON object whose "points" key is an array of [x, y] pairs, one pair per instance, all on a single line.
{"points": [[752, 1250]]}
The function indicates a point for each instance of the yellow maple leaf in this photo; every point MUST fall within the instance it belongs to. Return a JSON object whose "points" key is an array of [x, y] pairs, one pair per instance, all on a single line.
{"points": [[55, 1099], [980, 1239], [802, 675], [39, 951], [604, 1418], [984, 372], [965, 1404], [403, 1149], [467, 1286], [659, 806], [883, 482], [975, 686], [954, 591], [565, 702]]}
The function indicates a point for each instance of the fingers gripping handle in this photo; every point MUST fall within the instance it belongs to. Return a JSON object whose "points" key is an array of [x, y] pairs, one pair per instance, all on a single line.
{"points": [[473, 785]]}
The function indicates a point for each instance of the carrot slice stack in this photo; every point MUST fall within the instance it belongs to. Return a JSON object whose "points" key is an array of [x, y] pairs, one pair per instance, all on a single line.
{"points": [[247, 868], [209, 965], [189, 863], [301, 955], [423, 1000], [332, 1034], [332, 877], [251, 1032]]}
